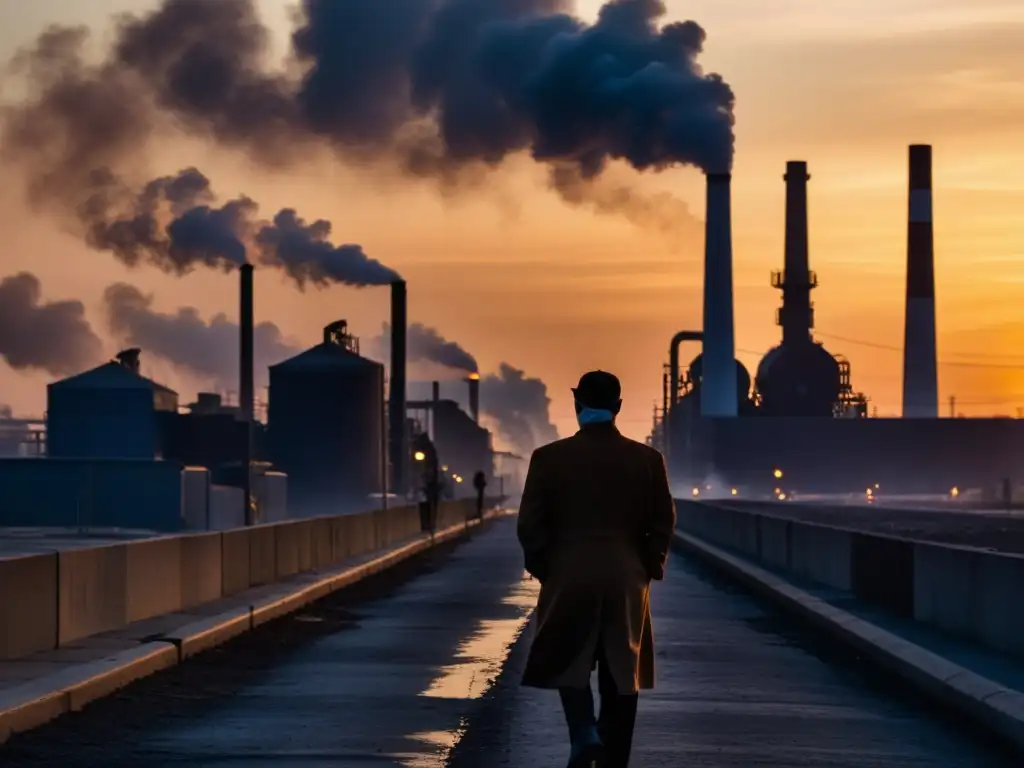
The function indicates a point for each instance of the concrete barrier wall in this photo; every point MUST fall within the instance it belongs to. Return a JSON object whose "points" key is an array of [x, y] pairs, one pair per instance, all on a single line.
{"points": [[970, 593], [28, 604], [54, 599]]}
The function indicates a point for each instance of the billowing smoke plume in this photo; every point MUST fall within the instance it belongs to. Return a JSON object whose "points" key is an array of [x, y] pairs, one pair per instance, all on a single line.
{"points": [[205, 350], [439, 85], [173, 224], [49, 336], [521, 407], [426, 350]]}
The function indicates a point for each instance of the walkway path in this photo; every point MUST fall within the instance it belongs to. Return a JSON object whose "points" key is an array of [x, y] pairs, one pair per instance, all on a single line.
{"points": [[388, 679]]}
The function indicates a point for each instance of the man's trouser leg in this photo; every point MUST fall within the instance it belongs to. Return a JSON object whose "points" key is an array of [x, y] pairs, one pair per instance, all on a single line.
{"points": [[578, 705], [617, 719]]}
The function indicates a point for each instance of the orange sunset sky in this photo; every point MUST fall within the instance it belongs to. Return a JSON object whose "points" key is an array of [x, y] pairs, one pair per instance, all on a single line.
{"points": [[518, 275]]}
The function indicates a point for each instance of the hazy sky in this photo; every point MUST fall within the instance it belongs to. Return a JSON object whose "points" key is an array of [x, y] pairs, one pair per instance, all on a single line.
{"points": [[520, 276]]}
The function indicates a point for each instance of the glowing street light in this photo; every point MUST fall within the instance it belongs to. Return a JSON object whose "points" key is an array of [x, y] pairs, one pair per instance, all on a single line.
{"points": [[778, 474], [696, 491], [419, 456], [734, 491], [954, 492], [458, 479]]}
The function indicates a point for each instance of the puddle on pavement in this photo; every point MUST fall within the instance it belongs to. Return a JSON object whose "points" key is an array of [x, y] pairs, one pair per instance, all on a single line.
{"points": [[480, 657]]}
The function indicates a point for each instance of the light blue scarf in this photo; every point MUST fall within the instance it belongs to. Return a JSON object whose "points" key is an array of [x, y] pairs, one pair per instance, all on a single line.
{"points": [[594, 416]]}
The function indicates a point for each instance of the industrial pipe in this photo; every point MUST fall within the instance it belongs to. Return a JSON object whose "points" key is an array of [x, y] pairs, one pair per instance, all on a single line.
{"points": [[673, 362], [673, 383]]}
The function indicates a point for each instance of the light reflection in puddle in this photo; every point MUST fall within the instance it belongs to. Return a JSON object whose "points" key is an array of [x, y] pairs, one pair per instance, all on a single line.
{"points": [[480, 657], [439, 744]]}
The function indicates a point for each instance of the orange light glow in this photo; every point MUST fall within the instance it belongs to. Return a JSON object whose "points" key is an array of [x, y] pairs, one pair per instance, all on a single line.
{"points": [[474, 377]]}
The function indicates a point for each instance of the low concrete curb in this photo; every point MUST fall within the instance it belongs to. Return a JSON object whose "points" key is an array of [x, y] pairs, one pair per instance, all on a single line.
{"points": [[993, 706], [35, 703]]}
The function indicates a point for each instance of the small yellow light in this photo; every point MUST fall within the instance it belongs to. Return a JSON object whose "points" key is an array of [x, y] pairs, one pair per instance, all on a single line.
{"points": [[734, 491], [474, 377], [778, 474], [696, 491], [419, 456], [458, 479], [782, 497], [954, 492], [444, 468]]}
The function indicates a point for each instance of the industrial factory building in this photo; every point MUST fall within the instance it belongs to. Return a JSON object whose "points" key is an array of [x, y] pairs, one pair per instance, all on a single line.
{"points": [[799, 422], [123, 453], [326, 424]]}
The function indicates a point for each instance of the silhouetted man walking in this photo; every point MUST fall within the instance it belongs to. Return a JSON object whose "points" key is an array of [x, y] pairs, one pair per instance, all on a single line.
{"points": [[595, 524], [480, 483]]}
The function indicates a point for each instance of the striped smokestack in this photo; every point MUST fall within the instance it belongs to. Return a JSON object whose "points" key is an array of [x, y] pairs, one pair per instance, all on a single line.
{"points": [[920, 364], [718, 396], [396, 392]]}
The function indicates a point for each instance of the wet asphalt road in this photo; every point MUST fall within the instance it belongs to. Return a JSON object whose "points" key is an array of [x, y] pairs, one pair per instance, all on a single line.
{"points": [[397, 673], [385, 677]]}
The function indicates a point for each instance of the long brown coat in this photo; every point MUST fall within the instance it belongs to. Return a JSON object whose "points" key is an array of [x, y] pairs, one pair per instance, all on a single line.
{"points": [[595, 523]]}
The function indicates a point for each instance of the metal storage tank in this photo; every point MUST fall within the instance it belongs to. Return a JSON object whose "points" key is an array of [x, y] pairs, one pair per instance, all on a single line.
{"points": [[109, 412], [326, 426]]}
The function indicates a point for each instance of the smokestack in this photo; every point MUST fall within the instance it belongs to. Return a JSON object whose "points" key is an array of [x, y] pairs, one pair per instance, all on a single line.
{"points": [[474, 396], [920, 364], [796, 281], [245, 346], [245, 383], [435, 391], [396, 394], [718, 397]]}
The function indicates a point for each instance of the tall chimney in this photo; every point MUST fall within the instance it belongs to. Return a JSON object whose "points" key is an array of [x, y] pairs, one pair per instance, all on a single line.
{"points": [[718, 397], [474, 396], [396, 393], [796, 281], [435, 391], [920, 364], [246, 389]]}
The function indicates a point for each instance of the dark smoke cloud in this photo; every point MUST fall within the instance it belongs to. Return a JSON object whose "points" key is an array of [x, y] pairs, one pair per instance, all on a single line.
{"points": [[518, 404], [427, 348], [303, 251], [173, 224], [206, 350], [49, 336], [440, 85], [521, 407]]}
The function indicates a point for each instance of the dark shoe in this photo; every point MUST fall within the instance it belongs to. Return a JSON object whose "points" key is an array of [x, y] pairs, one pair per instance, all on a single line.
{"points": [[591, 756]]}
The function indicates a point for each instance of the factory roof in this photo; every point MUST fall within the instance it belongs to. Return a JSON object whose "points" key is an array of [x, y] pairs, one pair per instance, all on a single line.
{"points": [[326, 356], [112, 375]]}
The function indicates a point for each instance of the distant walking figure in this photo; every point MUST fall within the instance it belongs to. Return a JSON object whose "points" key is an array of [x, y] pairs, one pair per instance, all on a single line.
{"points": [[480, 483], [595, 524]]}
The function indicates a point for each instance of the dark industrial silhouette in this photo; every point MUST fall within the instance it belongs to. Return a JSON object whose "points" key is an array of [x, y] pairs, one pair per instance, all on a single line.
{"points": [[595, 523], [801, 416], [480, 485]]}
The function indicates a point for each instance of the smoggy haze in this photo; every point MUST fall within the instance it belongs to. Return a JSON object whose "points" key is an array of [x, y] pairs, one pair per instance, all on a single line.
{"points": [[514, 273]]}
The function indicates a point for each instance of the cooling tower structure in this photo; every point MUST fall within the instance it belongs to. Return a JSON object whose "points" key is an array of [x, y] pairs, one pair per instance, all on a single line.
{"points": [[920, 364], [718, 394], [396, 391]]}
